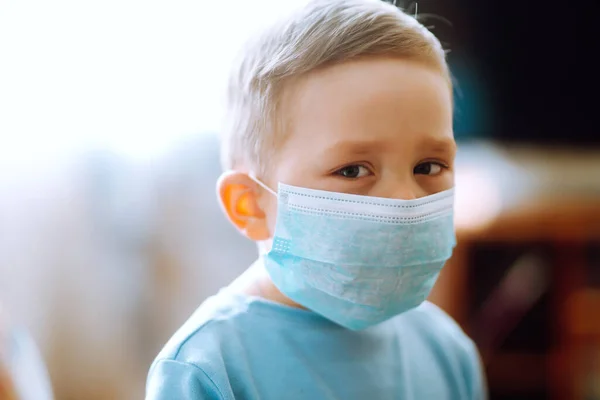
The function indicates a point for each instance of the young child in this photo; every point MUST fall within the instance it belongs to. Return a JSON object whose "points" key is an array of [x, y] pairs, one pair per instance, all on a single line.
{"points": [[339, 154]]}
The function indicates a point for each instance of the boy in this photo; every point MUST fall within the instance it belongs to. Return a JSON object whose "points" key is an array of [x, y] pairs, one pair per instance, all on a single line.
{"points": [[340, 155]]}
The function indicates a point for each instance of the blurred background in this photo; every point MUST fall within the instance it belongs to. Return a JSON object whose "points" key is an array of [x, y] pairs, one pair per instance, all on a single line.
{"points": [[110, 233]]}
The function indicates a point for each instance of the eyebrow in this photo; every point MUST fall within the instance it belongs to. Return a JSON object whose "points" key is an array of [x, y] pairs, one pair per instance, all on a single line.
{"points": [[356, 147], [442, 145], [362, 147]]}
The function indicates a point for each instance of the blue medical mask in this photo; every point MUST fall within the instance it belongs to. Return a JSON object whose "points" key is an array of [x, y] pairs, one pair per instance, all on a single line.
{"points": [[358, 260]]}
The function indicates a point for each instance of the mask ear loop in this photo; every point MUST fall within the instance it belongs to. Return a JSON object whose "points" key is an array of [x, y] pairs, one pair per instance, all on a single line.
{"points": [[262, 250], [252, 176]]}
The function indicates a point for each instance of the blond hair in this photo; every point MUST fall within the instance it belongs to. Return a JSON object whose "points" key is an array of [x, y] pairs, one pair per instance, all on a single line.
{"points": [[321, 33]]}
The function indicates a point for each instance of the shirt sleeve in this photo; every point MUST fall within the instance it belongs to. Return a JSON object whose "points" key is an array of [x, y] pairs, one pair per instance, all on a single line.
{"points": [[174, 380], [479, 390], [466, 358]]}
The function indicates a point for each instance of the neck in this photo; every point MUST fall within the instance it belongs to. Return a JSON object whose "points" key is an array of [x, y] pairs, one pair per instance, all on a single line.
{"points": [[257, 282]]}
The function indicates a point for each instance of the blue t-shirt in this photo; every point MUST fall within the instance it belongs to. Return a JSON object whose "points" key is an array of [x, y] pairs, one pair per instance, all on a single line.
{"points": [[237, 347]]}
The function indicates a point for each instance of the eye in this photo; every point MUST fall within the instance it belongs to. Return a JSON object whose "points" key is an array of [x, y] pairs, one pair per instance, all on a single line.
{"points": [[353, 171], [429, 168]]}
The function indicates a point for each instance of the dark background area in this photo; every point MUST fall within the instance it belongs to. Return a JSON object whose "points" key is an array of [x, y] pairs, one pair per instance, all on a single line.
{"points": [[526, 70]]}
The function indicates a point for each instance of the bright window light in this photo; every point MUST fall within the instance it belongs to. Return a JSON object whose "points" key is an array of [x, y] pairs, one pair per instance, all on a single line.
{"points": [[130, 75]]}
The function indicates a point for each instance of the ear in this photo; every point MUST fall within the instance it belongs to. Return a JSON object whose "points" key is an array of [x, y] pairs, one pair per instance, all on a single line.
{"points": [[238, 195]]}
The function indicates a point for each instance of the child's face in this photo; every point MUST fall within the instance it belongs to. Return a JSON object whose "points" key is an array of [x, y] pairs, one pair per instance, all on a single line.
{"points": [[375, 127]]}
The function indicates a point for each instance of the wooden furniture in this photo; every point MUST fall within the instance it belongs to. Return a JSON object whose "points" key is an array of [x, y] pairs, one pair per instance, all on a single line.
{"points": [[568, 224]]}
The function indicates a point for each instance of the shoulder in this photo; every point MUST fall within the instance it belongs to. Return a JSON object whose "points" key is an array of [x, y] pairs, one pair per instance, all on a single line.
{"points": [[435, 324], [171, 379], [451, 346], [195, 357], [207, 327]]}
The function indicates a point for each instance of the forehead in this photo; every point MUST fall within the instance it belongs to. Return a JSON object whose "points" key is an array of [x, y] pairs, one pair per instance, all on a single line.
{"points": [[385, 101]]}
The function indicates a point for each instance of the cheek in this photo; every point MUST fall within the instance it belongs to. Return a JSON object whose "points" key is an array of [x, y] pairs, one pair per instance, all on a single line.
{"points": [[268, 205], [270, 210], [450, 179], [270, 220], [437, 184]]}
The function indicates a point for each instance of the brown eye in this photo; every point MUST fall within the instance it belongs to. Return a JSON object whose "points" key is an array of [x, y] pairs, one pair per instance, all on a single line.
{"points": [[428, 168], [353, 171]]}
